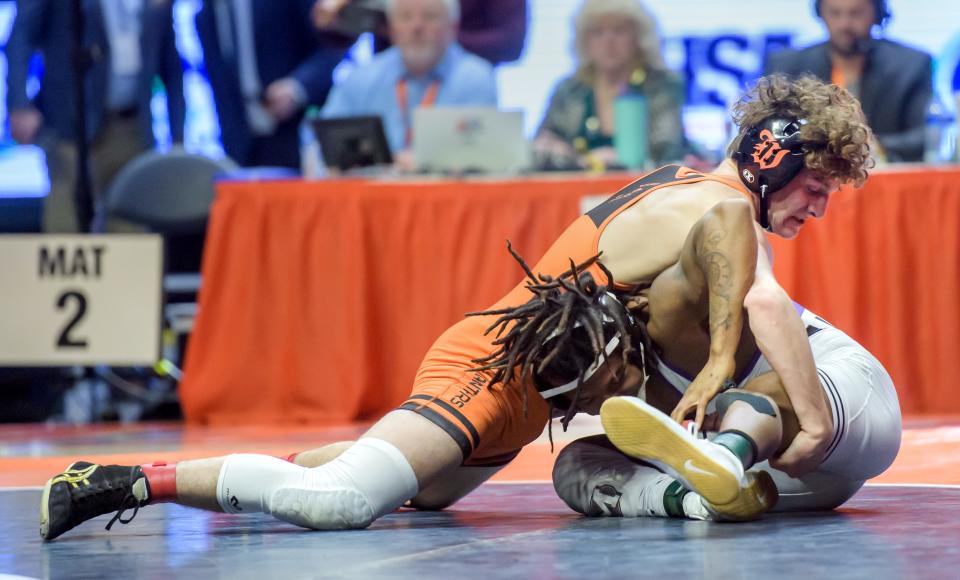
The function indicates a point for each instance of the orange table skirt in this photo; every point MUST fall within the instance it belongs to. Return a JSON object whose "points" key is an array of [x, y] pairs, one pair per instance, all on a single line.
{"points": [[320, 298], [884, 267]]}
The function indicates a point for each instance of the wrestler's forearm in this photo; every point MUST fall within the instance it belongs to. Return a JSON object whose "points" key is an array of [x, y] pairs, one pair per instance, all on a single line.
{"points": [[782, 338], [726, 254], [718, 263]]}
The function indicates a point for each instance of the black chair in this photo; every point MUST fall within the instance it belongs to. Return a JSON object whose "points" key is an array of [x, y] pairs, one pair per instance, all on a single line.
{"points": [[170, 194]]}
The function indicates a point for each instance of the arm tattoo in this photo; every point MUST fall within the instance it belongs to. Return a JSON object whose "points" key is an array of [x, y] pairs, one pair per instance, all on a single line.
{"points": [[718, 282], [718, 270]]}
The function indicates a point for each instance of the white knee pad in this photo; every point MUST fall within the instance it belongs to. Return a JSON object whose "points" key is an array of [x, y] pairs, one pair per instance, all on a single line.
{"points": [[367, 481], [247, 480]]}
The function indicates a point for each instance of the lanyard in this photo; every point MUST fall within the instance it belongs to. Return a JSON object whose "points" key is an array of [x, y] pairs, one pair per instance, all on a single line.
{"points": [[837, 77], [402, 100]]}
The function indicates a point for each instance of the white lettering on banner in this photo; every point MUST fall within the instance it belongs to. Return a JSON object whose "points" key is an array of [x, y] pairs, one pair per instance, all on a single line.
{"points": [[70, 300]]}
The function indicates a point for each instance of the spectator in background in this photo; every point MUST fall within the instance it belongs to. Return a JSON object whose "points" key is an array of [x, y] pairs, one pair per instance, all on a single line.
{"points": [[893, 82], [424, 67], [131, 42], [617, 49], [265, 63], [492, 29]]}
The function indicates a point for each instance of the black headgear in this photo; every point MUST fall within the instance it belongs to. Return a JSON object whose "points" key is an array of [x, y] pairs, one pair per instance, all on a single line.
{"points": [[879, 9], [769, 156]]}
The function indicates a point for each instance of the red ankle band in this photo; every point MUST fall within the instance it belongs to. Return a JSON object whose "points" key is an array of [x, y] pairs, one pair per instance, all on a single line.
{"points": [[292, 458], [162, 478]]}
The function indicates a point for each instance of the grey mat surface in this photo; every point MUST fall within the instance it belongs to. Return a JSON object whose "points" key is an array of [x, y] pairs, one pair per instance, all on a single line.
{"points": [[502, 531]]}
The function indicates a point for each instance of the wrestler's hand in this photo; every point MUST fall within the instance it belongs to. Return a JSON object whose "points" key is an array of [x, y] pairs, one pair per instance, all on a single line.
{"points": [[709, 382], [804, 454]]}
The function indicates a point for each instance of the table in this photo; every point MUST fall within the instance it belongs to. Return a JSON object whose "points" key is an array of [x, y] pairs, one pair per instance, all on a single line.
{"points": [[320, 298]]}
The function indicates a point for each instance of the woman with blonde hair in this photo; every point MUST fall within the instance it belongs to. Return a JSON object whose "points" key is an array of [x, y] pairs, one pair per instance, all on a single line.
{"points": [[617, 49]]}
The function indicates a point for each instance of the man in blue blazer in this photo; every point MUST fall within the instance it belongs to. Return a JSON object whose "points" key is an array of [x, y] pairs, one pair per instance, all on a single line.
{"points": [[265, 63], [893, 82], [124, 64]]}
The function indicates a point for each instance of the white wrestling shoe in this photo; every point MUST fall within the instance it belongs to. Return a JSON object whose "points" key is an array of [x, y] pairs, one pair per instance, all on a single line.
{"points": [[709, 469]]}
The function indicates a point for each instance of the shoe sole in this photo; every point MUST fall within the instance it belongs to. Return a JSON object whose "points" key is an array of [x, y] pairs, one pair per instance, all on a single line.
{"points": [[45, 510], [645, 433], [757, 497]]}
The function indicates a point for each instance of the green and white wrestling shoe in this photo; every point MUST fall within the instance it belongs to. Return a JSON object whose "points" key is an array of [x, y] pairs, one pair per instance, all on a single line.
{"points": [[709, 469]]}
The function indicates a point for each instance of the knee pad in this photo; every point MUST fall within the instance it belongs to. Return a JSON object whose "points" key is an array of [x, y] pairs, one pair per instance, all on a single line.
{"points": [[753, 416], [246, 481], [365, 482]]}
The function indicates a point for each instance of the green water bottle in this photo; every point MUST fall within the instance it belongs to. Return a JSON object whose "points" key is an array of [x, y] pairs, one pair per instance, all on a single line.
{"points": [[630, 128]]}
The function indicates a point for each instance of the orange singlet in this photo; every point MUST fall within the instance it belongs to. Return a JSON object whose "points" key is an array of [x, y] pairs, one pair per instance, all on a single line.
{"points": [[489, 424]]}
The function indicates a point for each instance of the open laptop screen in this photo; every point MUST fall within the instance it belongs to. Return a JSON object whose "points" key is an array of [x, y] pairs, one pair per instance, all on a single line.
{"points": [[351, 142], [469, 139]]}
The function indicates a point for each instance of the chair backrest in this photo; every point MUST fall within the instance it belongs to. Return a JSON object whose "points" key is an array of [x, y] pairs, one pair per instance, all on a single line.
{"points": [[170, 193]]}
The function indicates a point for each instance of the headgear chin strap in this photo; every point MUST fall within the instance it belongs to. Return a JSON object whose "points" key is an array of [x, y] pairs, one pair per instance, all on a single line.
{"points": [[566, 388], [769, 157]]}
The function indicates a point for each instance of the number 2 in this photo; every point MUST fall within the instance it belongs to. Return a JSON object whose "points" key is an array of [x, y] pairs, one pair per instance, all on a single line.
{"points": [[65, 340]]}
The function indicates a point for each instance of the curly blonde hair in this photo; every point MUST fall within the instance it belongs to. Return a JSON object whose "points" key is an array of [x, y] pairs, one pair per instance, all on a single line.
{"points": [[649, 54], [836, 137]]}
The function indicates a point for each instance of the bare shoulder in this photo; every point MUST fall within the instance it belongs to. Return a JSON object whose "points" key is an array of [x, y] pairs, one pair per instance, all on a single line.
{"points": [[645, 239], [679, 205]]}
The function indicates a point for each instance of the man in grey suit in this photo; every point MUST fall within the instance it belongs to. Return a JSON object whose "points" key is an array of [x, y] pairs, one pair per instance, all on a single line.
{"points": [[130, 43], [893, 82]]}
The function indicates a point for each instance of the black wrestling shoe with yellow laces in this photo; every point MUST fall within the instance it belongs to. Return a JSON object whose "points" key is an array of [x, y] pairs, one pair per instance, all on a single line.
{"points": [[87, 490]]}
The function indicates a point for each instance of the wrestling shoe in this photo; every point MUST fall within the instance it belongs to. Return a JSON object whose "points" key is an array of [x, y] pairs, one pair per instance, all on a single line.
{"points": [[87, 490], [758, 495], [713, 471]]}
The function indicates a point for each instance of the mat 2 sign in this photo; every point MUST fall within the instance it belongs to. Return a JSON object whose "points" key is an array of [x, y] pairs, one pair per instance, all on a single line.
{"points": [[67, 300]]}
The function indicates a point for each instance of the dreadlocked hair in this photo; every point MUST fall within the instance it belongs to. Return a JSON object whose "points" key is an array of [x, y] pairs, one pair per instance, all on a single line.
{"points": [[558, 334]]}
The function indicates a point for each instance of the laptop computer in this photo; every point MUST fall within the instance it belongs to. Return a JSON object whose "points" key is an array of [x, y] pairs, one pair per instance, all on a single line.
{"points": [[469, 140], [352, 142]]}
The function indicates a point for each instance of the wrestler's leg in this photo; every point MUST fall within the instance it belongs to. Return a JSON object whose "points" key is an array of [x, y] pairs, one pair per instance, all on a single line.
{"points": [[400, 454], [591, 475], [442, 493], [595, 479], [866, 419], [195, 478], [387, 466], [769, 385], [814, 491], [452, 487], [320, 455]]}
